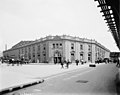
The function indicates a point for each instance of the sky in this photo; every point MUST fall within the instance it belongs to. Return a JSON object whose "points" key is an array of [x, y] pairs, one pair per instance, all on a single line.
{"points": [[32, 19]]}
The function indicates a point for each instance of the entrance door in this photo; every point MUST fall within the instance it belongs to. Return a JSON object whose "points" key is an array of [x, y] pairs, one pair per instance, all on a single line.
{"points": [[55, 60], [81, 56], [57, 57]]}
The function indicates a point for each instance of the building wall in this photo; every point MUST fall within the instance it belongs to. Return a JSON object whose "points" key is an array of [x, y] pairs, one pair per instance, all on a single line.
{"points": [[55, 46], [86, 52], [93, 53], [77, 49], [67, 47], [67, 50]]}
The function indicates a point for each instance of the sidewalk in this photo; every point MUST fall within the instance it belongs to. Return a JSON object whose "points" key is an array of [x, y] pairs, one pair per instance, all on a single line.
{"points": [[19, 76]]}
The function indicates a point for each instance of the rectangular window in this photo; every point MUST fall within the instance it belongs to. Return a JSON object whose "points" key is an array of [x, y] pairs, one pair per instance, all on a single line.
{"points": [[89, 57], [81, 56], [33, 55], [25, 49], [38, 47], [72, 54], [29, 56], [89, 47], [44, 46], [33, 48], [72, 46], [57, 45], [22, 50], [60, 44], [19, 51], [44, 54], [53, 45], [81, 47], [29, 49]]}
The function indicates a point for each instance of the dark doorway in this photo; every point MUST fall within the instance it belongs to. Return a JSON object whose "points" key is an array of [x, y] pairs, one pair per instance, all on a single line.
{"points": [[57, 60], [57, 57]]}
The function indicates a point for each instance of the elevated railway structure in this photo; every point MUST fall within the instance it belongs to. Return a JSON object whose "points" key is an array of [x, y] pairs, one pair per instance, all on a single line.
{"points": [[111, 12]]}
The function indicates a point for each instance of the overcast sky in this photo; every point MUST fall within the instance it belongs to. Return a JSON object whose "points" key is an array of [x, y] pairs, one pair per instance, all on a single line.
{"points": [[33, 19]]}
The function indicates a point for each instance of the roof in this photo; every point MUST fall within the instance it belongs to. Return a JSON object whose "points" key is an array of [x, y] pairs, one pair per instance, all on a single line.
{"points": [[110, 9], [21, 43], [65, 37]]}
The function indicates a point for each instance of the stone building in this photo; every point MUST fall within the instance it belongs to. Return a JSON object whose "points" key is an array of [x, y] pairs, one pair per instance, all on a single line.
{"points": [[53, 49]]}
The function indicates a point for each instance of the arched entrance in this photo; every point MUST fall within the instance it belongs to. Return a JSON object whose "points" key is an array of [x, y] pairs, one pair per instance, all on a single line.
{"points": [[57, 57]]}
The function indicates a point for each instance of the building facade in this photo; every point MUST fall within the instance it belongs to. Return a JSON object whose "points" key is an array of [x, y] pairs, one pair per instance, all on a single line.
{"points": [[53, 49]]}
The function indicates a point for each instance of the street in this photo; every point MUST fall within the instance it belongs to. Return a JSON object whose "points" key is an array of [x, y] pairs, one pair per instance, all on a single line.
{"points": [[98, 80]]}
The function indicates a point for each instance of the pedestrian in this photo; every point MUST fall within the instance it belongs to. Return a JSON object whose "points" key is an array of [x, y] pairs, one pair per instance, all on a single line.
{"points": [[67, 63], [98, 60], [62, 64], [77, 61], [82, 62], [118, 62]]}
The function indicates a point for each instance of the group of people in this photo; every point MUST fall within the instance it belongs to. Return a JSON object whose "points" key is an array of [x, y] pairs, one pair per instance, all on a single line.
{"points": [[12, 61], [67, 63]]}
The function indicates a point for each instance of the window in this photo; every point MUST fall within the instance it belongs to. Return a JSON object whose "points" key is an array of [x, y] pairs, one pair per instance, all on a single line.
{"points": [[81, 56], [53, 45], [38, 55], [29, 49], [38, 47], [89, 57], [72, 46], [72, 57], [33, 55], [59, 55], [44, 48], [44, 54], [72, 54], [89, 47], [81, 47], [57, 45], [22, 50], [33, 48], [60, 44], [25, 49], [19, 51]]}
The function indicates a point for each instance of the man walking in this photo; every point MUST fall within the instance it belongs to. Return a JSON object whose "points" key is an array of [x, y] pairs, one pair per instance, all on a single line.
{"points": [[77, 61], [62, 63], [67, 63], [118, 62]]}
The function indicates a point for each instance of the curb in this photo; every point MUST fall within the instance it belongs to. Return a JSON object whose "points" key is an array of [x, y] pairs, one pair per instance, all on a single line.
{"points": [[13, 88]]}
